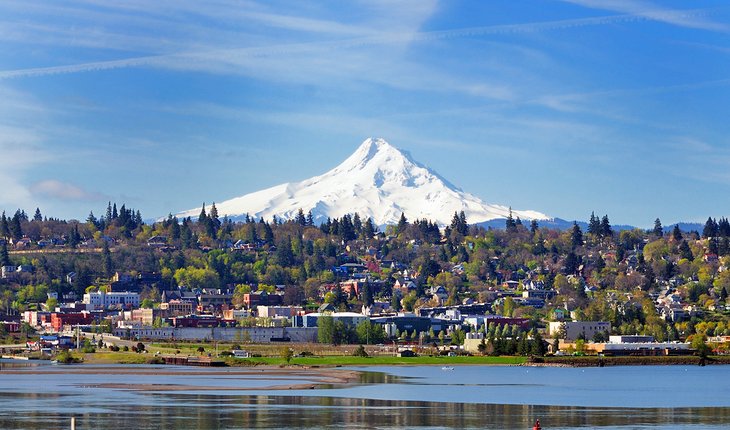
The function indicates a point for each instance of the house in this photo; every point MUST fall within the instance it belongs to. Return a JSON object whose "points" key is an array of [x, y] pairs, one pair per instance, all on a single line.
{"points": [[22, 243], [24, 268], [404, 285], [439, 293], [8, 271], [157, 241], [176, 307]]}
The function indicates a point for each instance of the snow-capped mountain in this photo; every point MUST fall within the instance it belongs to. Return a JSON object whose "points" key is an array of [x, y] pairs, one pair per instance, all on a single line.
{"points": [[377, 181]]}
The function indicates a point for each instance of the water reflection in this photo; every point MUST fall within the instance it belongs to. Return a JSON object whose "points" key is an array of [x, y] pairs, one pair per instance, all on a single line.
{"points": [[165, 410]]}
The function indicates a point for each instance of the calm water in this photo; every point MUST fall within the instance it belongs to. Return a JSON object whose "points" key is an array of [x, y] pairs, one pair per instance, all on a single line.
{"points": [[657, 397]]}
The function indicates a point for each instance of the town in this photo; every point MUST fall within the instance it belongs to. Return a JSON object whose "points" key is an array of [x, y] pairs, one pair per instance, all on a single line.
{"points": [[462, 289]]}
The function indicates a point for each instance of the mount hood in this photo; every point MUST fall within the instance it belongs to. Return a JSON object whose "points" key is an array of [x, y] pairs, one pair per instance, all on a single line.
{"points": [[377, 181]]}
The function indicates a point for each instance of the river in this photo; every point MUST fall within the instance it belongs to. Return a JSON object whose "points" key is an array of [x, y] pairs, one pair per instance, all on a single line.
{"points": [[424, 397]]}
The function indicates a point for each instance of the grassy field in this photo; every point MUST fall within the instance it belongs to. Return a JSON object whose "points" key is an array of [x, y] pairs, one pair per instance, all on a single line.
{"points": [[390, 360]]}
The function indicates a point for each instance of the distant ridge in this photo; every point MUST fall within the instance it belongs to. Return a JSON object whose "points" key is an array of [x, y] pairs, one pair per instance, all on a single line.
{"points": [[377, 181]]}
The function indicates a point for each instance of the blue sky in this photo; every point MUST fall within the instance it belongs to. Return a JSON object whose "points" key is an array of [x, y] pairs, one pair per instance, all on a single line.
{"points": [[565, 107]]}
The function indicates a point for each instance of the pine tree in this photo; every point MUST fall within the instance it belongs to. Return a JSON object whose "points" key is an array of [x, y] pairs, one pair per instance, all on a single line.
{"points": [[115, 214], [594, 225], [357, 224], [203, 216], [37, 216], [533, 227], [676, 233], [606, 230], [310, 219], [4, 255], [368, 229], [300, 219], [510, 224], [723, 227], [4, 226], [15, 228], [91, 219], [576, 235], [402, 224], [658, 230], [685, 251], [710, 229], [106, 261]]}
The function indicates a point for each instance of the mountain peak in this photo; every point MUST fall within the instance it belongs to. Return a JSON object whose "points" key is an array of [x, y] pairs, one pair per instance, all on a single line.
{"points": [[377, 181], [370, 150]]}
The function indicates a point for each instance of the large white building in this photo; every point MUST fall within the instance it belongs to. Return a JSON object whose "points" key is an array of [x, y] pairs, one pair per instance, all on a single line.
{"points": [[576, 329], [103, 300]]}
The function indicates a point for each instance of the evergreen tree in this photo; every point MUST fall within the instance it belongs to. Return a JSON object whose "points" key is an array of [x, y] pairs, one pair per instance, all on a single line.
{"points": [[594, 225], [74, 238], [345, 229], [268, 233], [357, 224], [676, 233], [712, 247], [106, 261], [710, 229], [300, 219], [4, 255], [310, 219], [723, 227], [402, 224], [91, 219], [284, 253], [533, 227], [109, 213], [572, 262], [395, 302], [606, 230], [4, 226], [368, 229], [16, 231], [510, 224], [658, 230], [37, 216], [202, 218], [685, 251], [115, 213], [213, 218], [576, 235]]}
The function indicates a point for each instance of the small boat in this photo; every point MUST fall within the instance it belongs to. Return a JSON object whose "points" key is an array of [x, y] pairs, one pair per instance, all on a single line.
{"points": [[447, 368]]}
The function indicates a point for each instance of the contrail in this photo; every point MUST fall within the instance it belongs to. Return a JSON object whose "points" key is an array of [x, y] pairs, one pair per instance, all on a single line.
{"points": [[182, 59]]}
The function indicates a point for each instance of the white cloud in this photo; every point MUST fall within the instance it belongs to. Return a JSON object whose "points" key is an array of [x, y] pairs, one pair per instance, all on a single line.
{"points": [[696, 18], [58, 190]]}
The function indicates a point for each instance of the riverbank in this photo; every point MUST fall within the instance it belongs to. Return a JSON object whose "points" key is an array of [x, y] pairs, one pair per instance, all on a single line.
{"points": [[596, 361], [273, 377]]}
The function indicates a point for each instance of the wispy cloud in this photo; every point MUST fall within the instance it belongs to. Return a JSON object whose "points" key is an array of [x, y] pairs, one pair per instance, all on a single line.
{"points": [[237, 60], [59, 190], [698, 18]]}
